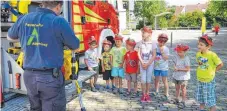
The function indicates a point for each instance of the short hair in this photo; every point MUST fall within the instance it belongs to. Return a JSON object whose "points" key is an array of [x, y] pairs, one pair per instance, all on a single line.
{"points": [[204, 41], [51, 3]]}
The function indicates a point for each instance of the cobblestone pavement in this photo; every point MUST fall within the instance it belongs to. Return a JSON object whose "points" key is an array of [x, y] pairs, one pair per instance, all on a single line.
{"points": [[105, 100]]}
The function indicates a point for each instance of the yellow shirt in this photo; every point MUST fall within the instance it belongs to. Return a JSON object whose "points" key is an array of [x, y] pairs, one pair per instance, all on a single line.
{"points": [[106, 60], [207, 66]]}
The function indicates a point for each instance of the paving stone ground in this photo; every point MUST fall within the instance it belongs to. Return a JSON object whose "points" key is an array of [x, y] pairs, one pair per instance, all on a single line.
{"points": [[105, 100]]}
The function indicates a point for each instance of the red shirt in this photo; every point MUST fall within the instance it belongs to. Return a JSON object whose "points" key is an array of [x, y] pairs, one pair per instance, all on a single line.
{"points": [[131, 60], [216, 28]]}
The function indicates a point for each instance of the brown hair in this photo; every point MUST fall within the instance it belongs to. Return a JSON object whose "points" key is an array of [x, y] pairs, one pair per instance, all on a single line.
{"points": [[51, 3], [204, 40]]}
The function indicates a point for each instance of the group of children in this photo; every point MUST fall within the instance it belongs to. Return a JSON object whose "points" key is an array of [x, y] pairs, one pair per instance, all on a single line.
{"points": [[148, 57]]}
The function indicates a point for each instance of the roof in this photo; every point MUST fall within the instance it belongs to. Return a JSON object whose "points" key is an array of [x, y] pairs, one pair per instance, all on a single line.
{"points": [[190, 8]]}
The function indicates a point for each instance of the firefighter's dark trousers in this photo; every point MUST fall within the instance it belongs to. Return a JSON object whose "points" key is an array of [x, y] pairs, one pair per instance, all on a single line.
{"points": [[45, 92]]}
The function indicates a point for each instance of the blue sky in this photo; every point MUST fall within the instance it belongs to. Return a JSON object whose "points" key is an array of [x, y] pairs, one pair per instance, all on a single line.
{"points": [[185, 2]]}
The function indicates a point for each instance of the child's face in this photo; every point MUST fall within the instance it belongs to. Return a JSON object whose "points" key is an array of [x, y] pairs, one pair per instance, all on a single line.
{"points": [[92, 45], [118, 43], [129, 47], [181, 53], [161, 43], [145, 35], [106, 48], [202, 47]]}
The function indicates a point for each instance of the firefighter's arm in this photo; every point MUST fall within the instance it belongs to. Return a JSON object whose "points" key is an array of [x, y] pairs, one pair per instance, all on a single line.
{"points": [[13, 32], [68, 36]]}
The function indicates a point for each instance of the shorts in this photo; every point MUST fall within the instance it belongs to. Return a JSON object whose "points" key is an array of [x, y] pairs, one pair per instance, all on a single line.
{"points": [[117, 72], [205, 93], [160, 73], [146, 75], [180, 82], [107, 75], [131, 77]]}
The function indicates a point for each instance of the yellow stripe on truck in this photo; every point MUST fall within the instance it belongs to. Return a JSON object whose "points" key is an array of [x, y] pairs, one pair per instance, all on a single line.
{"points": [[81, 46], [80, 37], [75, 1], [76, 19], [90, 12], [76, 9], [92, 19], [77, 28]]}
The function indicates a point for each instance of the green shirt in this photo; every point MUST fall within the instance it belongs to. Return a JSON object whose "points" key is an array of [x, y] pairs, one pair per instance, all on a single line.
{"points": [[118, 55], [207, 66], [106, 60]]}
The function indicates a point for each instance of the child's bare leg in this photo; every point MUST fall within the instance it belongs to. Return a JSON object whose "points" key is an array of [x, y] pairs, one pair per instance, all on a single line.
{"points": [[116, 82], [92, 82], [129, 85], [166, 86], [143, 85], [148, 85], [113, 83], [96, 78], [120, 82], [213, 108], [177, 91], [107, 82], [202, 106], [184, 92], [157, 78], [135, 87]]}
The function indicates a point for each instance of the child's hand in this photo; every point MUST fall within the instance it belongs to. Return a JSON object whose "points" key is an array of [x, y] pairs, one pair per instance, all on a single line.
{"points": [[175, 68], [103, 70], [145, 65], [90, 69], [120, 65]]}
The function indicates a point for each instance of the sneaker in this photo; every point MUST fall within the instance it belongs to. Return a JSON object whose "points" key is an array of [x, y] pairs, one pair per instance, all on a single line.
{"points": [[128, 93], [115, 90], [143, 98], [107, 87], [120, 90], [113, 86], [154, 93], [93, 89], [165, 98], [148, 98], [135, 94], [97, 86]]}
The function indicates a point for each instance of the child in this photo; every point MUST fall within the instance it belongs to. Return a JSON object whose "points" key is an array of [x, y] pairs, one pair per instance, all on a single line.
{"points": [[146, 54], [161, 64], [92, 61], [117, 72], [107, 63], [209, 63], [131, 61], [181, 73]]}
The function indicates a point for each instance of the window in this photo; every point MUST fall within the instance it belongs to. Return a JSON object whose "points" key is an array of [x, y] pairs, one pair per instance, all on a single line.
{"points": [[90, 2]]}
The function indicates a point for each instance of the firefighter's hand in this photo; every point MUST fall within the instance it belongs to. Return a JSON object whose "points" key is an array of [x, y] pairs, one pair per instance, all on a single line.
{"points": [[90, 69], [77, 50]]}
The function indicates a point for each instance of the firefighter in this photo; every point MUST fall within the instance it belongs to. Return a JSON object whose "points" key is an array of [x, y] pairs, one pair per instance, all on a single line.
{"points": [[42, 35]]}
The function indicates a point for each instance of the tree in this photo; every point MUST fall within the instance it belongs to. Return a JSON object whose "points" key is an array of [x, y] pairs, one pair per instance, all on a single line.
{"points": [[216, 12], [191, 19], [147, 10]]}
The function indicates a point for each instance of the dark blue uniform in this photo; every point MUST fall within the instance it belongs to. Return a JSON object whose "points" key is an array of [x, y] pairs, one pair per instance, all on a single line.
{"points": [[43, 35]]}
